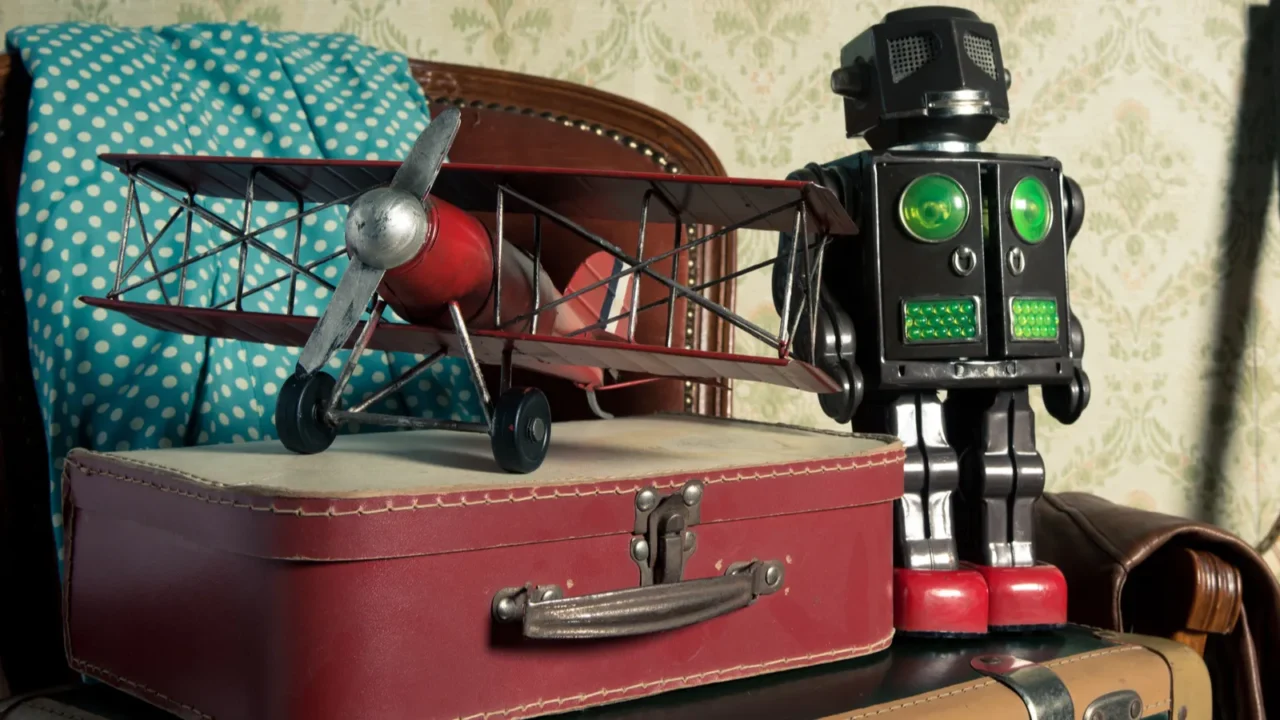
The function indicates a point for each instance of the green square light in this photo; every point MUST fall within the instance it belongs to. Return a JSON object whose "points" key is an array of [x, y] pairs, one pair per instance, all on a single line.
{"points": [[1033, 319], [939, 320]]}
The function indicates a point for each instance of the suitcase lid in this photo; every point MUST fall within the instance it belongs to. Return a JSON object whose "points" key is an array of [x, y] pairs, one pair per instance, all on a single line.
{"points": [[395, 494]]}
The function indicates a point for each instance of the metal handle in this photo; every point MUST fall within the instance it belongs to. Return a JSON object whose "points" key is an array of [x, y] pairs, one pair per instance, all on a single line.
{"points": [[547, 615]]}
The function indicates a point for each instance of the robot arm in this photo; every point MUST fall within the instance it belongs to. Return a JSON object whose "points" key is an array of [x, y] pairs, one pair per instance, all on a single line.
{"points": [[813, 173], [833, 349], [1068, 401]]}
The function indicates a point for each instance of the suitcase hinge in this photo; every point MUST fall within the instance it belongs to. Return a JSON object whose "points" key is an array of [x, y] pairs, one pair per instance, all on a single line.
{"points": [[662, 540]]}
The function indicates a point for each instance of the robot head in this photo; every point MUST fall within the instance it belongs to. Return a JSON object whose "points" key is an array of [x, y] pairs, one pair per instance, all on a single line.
{"points": [[925, 74]]}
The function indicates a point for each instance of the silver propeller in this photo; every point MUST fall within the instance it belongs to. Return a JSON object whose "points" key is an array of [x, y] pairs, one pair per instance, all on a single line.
{"points": [[385, 229]]}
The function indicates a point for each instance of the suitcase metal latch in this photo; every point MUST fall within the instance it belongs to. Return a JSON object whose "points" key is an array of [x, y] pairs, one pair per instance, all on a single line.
{"points": [[662, 541], [1040, 688], [661, 544]]}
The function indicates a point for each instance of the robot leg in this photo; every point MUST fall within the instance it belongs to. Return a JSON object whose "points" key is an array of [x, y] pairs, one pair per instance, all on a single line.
{"points": [[933, 594], [1002, 477]]}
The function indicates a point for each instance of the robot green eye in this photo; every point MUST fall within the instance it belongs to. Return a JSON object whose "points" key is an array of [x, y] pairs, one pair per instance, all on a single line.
{"points": [[1031, 209], [933, 208]]}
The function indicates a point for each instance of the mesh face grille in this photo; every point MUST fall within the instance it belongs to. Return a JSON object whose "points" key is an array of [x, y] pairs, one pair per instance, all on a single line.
{"points": [[909, 54], [980, 52]]}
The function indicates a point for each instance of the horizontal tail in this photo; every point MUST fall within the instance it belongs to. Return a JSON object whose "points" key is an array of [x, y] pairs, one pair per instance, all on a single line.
{"points": [[608, 305]]}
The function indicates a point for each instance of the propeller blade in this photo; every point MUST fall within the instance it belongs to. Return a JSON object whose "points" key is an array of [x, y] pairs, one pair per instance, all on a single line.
{"points": [[419, 170], [358, 284]]}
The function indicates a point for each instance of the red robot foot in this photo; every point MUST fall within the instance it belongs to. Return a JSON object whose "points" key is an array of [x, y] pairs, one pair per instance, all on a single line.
{"points": [[939, 602], [1026, 598]]}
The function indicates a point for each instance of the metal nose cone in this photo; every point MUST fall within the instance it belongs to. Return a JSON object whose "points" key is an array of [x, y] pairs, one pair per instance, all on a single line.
{"points": [[386, 227]]}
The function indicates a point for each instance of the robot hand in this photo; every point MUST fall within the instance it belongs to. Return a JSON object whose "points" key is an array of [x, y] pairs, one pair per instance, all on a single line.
{"points": [[1067, 402], [832, 351]]}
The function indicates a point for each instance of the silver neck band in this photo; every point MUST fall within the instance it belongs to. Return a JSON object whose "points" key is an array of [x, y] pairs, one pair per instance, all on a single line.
{"points": [[946, 146]]}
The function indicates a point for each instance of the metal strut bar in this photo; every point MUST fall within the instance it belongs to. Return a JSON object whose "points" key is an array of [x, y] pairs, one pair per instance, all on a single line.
{"points": [[460, 326], [404, 379], [149, 243], [700, 286], [237, 234], [124, 234], [349, 367], [244, 241], [643, 267], [268, 285]]}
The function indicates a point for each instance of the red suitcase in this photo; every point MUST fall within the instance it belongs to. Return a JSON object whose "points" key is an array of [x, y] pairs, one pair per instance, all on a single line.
{"points": [[399, 575]]}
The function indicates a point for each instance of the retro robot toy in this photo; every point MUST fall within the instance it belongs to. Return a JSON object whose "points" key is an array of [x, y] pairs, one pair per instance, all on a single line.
{"points": [[956, 281]]}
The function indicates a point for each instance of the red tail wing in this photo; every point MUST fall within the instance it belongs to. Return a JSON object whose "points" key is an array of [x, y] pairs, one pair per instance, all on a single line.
{"points": [[609, 303]]}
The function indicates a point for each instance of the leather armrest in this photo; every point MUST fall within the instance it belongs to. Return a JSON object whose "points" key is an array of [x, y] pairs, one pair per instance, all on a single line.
{"points": [[1202, 595], [1131, 570]]}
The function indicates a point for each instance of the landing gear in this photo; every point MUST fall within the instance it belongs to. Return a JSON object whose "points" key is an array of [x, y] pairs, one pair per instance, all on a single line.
{"points": [[521, 430], [300, 412], [518, 423]]}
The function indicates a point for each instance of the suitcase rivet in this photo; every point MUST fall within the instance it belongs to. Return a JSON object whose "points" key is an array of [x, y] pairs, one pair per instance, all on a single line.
{"points": [[640, 550], [646, 500], [771, 575], [692, 493], [1135, 709], [688, 540], [1182, 713], [506, 609]]}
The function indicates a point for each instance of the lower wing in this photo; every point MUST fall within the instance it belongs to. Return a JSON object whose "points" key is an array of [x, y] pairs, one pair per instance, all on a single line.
{"points": [[579, 360]]}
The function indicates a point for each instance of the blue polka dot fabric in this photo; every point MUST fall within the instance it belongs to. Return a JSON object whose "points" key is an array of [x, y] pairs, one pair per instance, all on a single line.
{"points": [[108, 383]]}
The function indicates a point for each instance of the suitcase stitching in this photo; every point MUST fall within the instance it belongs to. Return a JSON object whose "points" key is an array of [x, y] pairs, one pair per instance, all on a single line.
{"points": [[1094, 654], [108, 675], [921, 701], [872, 461], [843, 653]]}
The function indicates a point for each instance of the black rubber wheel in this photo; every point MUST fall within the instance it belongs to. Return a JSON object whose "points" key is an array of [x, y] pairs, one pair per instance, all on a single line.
{"points": [[521, 430], [300, 413]]}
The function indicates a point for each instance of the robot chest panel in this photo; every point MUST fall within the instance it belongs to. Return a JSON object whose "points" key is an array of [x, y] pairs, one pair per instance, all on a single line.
{"points": [[971, 258]]}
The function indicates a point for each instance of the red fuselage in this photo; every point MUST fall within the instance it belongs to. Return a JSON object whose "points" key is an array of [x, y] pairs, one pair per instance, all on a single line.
{"points": [[456, 264]]}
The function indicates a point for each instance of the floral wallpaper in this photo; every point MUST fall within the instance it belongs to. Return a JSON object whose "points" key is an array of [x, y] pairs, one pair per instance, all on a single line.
{"points": [[1175, 274]]}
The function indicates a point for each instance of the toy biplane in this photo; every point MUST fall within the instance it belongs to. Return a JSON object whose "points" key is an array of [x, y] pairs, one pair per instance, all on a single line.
{"points": [[414, 244]]}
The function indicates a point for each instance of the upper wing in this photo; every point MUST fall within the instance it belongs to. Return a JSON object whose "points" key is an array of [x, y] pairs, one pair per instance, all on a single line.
{"points": [[574, 359], [594, 194]]}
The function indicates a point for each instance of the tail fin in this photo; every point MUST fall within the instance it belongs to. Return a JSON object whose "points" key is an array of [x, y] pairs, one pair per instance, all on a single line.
{"points": [[607, 302]]}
